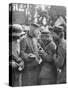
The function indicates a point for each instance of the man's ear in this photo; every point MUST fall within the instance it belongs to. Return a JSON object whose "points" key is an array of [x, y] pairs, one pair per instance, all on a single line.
{"points": [[61, 35]]}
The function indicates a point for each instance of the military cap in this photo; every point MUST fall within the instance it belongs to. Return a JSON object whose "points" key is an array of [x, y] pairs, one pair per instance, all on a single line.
{"points": [[35, 25], [16, 30], [45, 30], [58, 29]]}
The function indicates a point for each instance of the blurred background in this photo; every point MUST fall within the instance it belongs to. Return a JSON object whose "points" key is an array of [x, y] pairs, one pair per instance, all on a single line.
{"points": [[27, 13]]}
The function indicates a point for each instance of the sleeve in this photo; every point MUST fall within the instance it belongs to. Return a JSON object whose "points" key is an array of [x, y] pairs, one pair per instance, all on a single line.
{"points": [[47, 55], [59, 59], [23, 55], [50, 51]]}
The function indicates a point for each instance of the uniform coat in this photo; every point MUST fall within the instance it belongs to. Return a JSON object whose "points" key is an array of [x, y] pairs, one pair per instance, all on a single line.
{"points": [[31, 67], [48, 74], [60, 61]]}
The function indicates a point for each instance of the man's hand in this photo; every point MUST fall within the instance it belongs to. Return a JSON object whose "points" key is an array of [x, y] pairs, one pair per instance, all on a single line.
{"points": [[21, 66], [14, 65], [42, 52], [32, 55], [19, 59], [21, 63]]}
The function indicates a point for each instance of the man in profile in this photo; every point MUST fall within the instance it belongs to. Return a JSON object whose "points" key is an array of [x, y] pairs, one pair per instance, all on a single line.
{"points": [[60, 55], [28, 52], [16, 63]]}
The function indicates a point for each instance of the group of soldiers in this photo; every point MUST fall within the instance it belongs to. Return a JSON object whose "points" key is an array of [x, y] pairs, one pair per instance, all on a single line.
{"points": [[37, 57]]}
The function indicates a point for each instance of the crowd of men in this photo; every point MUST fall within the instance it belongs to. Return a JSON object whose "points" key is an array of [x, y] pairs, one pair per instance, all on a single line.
{"points": [[38, 55]]}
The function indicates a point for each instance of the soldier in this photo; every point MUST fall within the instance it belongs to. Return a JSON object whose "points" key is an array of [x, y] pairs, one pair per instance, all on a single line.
{"points": [[60, 55], [16, 63], [48, 74], [28, 52]]}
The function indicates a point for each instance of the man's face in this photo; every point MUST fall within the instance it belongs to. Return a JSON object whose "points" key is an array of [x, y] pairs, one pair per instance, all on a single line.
{"points": [[37, 33], [44, 21], [32, 31], [45, 37], [56, 38]]}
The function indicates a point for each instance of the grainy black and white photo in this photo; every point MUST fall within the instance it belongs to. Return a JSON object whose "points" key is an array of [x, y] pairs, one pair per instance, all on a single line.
{"points": [[37, 44]]}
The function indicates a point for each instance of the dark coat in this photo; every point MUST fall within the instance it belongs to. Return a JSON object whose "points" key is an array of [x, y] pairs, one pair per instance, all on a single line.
{"points": [[48, 68], [60, 61]]}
